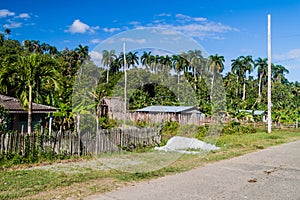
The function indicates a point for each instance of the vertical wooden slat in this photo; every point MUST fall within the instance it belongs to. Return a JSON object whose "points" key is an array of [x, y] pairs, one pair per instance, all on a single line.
{"points": [[104, 141]]}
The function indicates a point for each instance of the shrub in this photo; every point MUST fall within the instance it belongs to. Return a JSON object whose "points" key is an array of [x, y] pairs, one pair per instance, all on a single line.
{"points": [[201, 132], [169, 130], [107, 123], [237, 128], [170, 126]]}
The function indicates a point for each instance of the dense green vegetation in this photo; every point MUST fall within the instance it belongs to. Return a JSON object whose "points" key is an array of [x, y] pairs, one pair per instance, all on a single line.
{"points": [[37, 72]]}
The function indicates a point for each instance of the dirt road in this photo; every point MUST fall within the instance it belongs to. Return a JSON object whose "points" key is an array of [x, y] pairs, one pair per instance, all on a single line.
{"points": [[272, 173]]}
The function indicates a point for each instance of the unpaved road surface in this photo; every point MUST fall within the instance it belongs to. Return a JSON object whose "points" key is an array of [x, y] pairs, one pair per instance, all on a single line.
{"points": [[268, 174]]}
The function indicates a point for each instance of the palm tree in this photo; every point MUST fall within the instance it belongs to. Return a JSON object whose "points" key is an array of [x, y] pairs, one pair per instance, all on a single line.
{"points": [[262, 71], [278, 72], [25, 76], [165, 62], [216, 66], [154, 62], [230, 85], [7, 32], [236, 70], [186, 57], [241, 66], [146, 59], [1, 39], [132, 59], [195, 58], [247, 67], [83, 52], [217, 63], [53, 50], [45, 47], [116, 65], [36, 46], [108, 57], [178, 64]]}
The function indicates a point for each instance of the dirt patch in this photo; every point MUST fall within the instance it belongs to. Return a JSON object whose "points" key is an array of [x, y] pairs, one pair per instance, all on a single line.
{"points": [[72, 167], [79, 190], [27, 166]]}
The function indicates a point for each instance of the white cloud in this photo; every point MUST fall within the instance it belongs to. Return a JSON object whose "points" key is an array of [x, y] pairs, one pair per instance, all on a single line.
{"points": [[95, 41], [169, 32], [135, 23], [139, 41], [96, 57], [200, 19], [93, 29], [80, 27], [164, 15], [12, 24], [293, 54], [6, 13], [23, 16], [198, 30], [111, 30], [189, 18], [197, 27]]}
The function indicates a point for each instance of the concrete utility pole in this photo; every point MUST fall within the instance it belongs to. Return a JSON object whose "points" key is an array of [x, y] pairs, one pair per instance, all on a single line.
{"points": [[269, 76], [125, 83]]}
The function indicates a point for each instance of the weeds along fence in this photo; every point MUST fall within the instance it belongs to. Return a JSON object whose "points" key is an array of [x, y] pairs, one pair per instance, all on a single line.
{"points": [[285, 125], [79, 144]]}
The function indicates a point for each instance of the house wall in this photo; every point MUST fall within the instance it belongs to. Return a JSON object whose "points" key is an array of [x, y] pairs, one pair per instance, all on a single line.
{"points": [[21, 119], [15, 120]]}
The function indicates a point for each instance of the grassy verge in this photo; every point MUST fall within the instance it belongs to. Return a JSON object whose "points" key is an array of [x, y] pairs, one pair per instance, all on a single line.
{"points": [[42, 183]]}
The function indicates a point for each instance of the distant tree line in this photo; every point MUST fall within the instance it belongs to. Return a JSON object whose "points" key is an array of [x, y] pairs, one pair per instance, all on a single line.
{"points": [[38, 72]]}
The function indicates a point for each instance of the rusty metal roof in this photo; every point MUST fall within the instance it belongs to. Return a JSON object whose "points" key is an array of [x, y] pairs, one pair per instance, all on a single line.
{"points": [[14, 106], [169, 109]]}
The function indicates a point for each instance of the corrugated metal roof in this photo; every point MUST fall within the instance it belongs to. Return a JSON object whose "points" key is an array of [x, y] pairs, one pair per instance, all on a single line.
{"points": [[255, 112], [13, 105], [168, 109]]}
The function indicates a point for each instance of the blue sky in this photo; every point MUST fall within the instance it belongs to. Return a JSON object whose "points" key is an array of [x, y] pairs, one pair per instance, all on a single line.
{"points": [[229, 28]]}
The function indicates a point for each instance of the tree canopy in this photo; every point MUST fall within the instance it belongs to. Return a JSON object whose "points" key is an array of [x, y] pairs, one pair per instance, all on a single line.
{"points": [[40, 71]]}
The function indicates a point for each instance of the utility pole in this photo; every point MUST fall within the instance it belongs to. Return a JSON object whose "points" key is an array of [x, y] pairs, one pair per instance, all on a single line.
{"points": [[125, 83], [269, 76]]}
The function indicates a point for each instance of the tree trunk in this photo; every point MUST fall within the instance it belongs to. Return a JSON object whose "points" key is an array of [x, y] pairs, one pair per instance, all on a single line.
{"points": [[29, 111], [259, 87], [212, 86], [195, 74], [107, 72], [244, 91], [237, 86]]}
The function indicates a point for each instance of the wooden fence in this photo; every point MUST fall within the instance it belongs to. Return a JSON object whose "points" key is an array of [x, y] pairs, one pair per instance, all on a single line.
{"points": [[158, 118], [80, 144]]}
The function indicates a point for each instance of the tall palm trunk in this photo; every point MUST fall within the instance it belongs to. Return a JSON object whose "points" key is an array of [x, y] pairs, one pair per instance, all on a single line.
{"points": [[237, 86], [212, 86], [195, 78], [195, 74], [259, 87], [29, 110], [244, 91], [107, 72]]}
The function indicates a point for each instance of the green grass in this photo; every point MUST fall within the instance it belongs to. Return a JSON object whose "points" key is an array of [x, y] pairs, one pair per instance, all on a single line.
{"points": [[42, 183]]}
